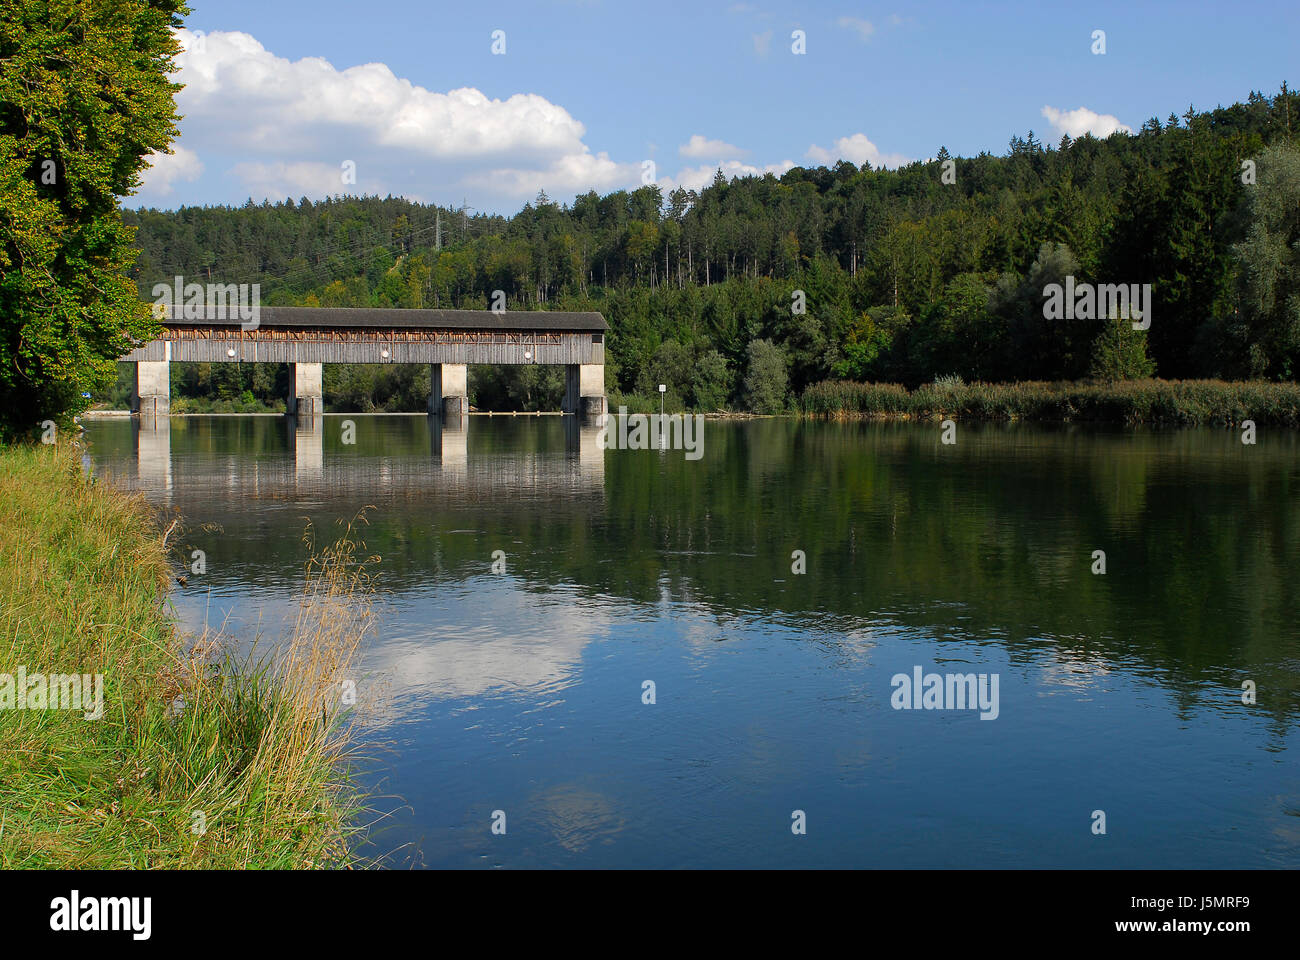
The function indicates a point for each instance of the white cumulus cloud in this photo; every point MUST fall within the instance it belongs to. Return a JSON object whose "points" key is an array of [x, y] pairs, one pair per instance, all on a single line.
{"points": [[572, 174], [1078, 122], [307, 178], [282, 106], [697, 178], [702, 147], [270, 127], [166, 169], [856, 149], [284, 127]]}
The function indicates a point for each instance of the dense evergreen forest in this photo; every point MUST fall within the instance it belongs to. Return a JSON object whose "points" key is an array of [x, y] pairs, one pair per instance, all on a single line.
{"points": [[934, 270]]}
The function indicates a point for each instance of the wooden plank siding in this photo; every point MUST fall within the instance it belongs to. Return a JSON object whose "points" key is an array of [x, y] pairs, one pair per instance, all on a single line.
{"points": [[213, 344]]}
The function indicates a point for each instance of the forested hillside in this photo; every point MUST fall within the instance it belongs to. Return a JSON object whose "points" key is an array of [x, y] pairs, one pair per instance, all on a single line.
{"points": [[907, 275]]}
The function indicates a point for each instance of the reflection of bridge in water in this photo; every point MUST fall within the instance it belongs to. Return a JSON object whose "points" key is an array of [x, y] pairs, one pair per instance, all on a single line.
{"points": [[308, 465]]}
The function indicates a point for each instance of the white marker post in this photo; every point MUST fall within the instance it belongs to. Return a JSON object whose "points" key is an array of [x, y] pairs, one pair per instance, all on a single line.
{"points": [[663, 388]]}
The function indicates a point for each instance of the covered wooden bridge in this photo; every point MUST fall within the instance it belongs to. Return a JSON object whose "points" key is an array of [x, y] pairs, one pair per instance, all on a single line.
{"points": [[306, 338]]}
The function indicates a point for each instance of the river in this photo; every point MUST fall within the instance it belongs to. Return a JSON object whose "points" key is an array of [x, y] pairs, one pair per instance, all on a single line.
{"points": [[775, 599]]}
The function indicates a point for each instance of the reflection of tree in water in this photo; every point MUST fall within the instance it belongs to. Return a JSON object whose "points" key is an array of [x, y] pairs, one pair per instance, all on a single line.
{"points": [[987, 540]]}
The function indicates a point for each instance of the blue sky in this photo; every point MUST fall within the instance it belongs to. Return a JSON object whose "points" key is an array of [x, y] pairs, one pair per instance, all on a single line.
{"points": [[280, 98]]}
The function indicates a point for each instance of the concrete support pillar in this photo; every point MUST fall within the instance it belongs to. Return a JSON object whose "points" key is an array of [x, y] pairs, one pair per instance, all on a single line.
{"points": [[151, 395], [584, 389], [449, 389], [306, 390]]}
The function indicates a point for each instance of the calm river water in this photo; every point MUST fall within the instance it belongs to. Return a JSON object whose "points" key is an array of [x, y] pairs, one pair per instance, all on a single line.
{"points": [[524, 691]]}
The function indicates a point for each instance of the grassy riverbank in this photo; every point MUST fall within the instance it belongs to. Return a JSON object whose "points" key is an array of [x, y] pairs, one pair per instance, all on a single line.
{"points": [[196, 762], [1183, 402]]}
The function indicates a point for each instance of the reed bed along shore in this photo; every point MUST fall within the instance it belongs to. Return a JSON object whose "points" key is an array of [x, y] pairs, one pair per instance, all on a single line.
{"points": [[1181, 402], [200, 759]]}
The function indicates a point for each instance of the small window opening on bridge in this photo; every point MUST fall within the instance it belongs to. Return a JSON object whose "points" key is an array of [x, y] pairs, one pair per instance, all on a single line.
{"points": [[597, 338]]}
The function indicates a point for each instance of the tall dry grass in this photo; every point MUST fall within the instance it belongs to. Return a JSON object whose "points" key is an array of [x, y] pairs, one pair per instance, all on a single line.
{"points": [[265, 742], [204, 758]]}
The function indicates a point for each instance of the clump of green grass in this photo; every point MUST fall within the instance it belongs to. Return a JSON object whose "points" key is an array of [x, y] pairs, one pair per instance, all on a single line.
{"points": [[201, 760]]}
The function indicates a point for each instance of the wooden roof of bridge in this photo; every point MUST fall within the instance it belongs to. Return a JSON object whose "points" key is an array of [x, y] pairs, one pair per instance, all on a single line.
{"points": [[396, 319]]}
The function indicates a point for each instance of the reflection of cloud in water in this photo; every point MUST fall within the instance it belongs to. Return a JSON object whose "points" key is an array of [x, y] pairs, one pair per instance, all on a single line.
{"points": [[578, 816], [504, 641], [1079, 673]]}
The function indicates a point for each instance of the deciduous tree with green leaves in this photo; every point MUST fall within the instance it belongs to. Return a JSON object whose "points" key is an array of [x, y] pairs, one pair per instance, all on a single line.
{"points": [[84, 100], [1269, 256], [767, 383]]}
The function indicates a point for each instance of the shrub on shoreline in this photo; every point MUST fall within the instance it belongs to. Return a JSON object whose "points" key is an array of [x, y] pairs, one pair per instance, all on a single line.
{"points": [[1186, 402]]}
